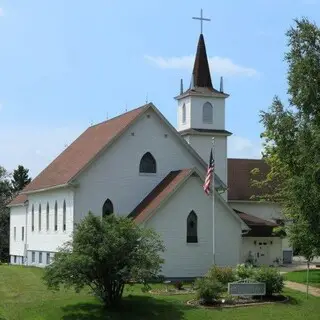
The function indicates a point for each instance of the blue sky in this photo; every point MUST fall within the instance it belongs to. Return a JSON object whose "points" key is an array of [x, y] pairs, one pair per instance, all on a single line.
{"points": [[67, 64]]}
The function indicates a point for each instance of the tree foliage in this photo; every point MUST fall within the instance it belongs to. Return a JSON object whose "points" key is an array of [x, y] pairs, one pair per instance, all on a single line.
{"points": [[292, 141], [105, 254], [5, 197], [20, 178]]}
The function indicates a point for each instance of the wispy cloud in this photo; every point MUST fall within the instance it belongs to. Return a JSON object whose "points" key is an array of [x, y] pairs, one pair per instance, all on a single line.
{"points": [[221, 65], [0, 106], [1, 12], [241, 147], [34, 147]]}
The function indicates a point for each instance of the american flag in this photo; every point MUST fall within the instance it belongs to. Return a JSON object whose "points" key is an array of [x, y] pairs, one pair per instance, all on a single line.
{"points": [[208, 180]]}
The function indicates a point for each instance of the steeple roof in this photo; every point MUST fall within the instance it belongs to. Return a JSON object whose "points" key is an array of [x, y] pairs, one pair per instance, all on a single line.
{"points": [[201, 83], [201, 72]]}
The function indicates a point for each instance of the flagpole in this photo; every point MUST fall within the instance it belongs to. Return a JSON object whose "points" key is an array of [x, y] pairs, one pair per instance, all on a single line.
{"points": [[213, 211]]}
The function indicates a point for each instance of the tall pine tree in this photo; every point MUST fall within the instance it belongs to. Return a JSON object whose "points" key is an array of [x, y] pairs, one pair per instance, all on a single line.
{"points": [[20, 178]]}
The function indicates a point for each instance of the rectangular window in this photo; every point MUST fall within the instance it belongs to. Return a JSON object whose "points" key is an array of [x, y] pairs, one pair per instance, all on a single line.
{"points": [[40, 257], [14, 233], [22, 233], [33, 256], [39, 217], [32, 218], [48, 257], [56, 216]]}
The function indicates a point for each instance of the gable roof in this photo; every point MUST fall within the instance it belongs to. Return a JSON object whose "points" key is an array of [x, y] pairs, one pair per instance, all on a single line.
{"points": [[73, 160], [239, 178], [84, 149], [165, 189]]}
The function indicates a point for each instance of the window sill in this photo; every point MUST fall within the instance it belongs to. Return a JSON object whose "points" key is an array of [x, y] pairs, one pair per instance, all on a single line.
{"points": [[147, 174]]}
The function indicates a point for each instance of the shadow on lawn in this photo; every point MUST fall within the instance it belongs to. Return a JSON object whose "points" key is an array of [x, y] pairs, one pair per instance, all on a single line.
{"points": [[131, 308]]}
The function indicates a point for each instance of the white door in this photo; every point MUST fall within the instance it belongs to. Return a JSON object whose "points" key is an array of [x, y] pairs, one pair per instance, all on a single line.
{"points": [[263, 253]]}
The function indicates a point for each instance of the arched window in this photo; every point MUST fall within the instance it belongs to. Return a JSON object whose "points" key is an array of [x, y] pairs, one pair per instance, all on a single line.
{"points": [[192, 227], [107, 208], [40, 217], [207, 113], [148, 164], [64, 215], [56, 216], [184, 115], [47, 222], [32, 218]]}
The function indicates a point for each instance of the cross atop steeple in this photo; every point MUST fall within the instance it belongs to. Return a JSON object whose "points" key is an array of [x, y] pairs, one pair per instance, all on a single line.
{"points": [[201, 20]]}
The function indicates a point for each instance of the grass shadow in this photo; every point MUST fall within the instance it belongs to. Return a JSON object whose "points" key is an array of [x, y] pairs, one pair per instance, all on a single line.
{"points": [[293, 301], [137, 307]]}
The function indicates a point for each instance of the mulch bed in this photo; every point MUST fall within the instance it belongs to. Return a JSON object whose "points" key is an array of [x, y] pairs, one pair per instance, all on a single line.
{"points": [[171, 291], [240, 302]]}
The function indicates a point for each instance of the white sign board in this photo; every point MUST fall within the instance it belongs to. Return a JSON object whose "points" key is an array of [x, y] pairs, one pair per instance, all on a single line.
{"points": [[247, 288]]}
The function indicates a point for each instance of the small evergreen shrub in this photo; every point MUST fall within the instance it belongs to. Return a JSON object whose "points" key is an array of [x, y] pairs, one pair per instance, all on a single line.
{"points": [[244, 272], [223, 274], [273, 279], [208, 290], [178, 285]]}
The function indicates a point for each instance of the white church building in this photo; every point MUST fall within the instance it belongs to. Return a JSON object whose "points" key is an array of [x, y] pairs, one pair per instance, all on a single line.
{"points": [[138, 165]]}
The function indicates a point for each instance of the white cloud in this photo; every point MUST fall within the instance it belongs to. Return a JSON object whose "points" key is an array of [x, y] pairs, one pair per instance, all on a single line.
{"points": [[33, 147], [220, 65], [241, 147], [1, 12], [1, 107]]}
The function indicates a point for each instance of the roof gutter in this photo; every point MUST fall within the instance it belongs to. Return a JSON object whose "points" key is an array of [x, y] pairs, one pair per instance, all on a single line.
{"points": [[65, 185]]}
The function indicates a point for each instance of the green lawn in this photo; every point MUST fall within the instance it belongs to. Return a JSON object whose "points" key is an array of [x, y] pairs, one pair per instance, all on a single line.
{"points": [[301, 277], [23, 296]]}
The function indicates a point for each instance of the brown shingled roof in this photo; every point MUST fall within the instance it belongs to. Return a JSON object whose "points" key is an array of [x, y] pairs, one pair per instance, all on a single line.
{"points": [[159, 193], [239, 178], [18, 200], [84, 149], [254, 221]]}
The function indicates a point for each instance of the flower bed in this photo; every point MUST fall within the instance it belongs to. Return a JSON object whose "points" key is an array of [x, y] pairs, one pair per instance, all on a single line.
{"points": [[239, 302]]}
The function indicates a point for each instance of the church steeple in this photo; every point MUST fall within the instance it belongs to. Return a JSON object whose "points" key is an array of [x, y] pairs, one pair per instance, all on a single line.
{"points": [[201, 73], [201, 110]]}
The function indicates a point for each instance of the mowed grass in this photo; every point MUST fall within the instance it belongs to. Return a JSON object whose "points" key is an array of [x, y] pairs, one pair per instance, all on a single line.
{"points": [[301, 277], [24, 296]]}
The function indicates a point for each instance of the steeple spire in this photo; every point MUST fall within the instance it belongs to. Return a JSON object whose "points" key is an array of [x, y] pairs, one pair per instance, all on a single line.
{"points": [[201, 73]]}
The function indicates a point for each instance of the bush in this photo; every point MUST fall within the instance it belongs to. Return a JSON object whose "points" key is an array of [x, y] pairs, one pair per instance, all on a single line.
{"points": [[244, 272], [178, 285], [105, 254], [223, 274], [208, 290], [272, 278]]}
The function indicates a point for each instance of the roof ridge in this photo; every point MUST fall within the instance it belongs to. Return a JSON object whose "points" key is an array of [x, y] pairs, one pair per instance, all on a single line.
{"points": [[121, 115]]}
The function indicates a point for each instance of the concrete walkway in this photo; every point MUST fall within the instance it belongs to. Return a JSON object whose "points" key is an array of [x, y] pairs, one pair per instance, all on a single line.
{"points": [[302, 287]]}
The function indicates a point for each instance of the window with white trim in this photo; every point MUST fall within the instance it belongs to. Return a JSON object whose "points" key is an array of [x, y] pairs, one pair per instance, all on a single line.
{"points": [[207, 113]]}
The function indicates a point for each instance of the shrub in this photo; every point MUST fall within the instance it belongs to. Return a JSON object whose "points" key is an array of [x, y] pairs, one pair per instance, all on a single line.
{"points": [[208, 290], [244, 272], [223, 274], [178, 285], [272, 278], [105, 254]]}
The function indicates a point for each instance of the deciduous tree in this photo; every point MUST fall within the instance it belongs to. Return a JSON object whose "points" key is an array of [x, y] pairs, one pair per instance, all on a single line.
{"points": [[105, 254]]}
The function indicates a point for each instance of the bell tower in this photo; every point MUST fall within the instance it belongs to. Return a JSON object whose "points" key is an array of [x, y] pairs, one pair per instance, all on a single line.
{"points": [[201, 112]]}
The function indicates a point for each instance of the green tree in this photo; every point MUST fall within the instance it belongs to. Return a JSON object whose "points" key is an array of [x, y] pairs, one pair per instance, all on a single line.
{"points": [[5, 198], [105, 254], [20, 178], [292, 142]]}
